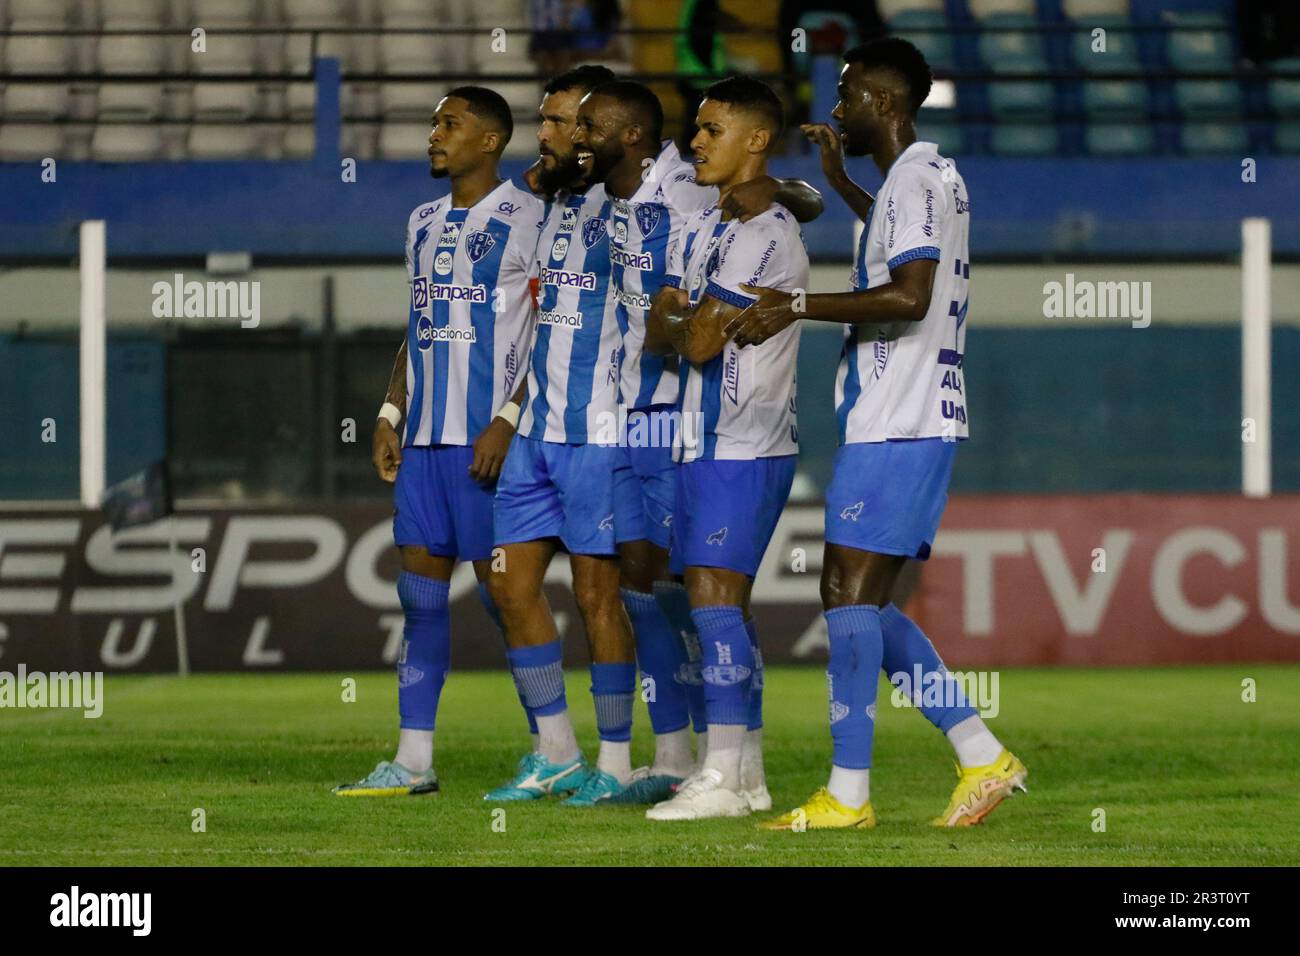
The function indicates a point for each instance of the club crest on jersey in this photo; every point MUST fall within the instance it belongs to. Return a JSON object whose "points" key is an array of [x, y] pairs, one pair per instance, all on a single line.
{"points": [[420, 293], [450, 234], [593, 231], [647, 218], [561, 248], [479, 245], [442, 263]]}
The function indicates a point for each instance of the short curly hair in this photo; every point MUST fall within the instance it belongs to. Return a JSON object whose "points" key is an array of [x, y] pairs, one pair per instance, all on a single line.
{"points": [[897, 54]]}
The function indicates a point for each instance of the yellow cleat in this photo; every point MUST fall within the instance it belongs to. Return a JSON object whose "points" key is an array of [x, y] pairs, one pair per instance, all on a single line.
{"points": [[980, 789], [822, 812]]}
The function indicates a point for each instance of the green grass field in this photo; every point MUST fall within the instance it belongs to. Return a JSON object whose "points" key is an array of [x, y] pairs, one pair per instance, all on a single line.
{"points": [[1186, 772]]}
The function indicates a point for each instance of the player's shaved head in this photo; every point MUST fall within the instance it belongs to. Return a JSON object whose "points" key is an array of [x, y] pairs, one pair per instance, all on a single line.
{"points": [[635, 104]]}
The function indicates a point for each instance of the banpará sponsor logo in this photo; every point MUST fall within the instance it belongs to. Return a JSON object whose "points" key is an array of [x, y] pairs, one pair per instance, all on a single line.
{"points": [[446, 292], [180, 299], [1084, 299], [653, 429], [567, 279], [632, 300], [59, 690], [75, 908], [631, 260], [945, 688]]}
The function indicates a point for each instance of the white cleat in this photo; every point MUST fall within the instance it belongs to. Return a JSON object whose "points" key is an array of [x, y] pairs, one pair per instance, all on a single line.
{"points": [[701, 796], [758, 798]]}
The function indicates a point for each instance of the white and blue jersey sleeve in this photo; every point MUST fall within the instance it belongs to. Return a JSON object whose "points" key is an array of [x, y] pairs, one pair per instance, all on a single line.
{"points": [[643, 230], [470, 317], [905, 380], [741, 403], [574, 368]]}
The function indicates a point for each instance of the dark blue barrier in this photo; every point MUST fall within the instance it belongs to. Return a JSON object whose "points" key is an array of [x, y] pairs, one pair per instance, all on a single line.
{"points": [[1022, 208]]}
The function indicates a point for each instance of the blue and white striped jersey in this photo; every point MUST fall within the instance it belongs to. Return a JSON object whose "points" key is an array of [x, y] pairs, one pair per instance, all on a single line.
{"points": [[573, 373], [642, 229], [741, 403], [471, 312], [904, 380]]}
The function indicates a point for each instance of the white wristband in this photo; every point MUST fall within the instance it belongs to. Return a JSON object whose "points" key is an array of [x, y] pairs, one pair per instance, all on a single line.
{"points": [[510, 412], [391, 413]]}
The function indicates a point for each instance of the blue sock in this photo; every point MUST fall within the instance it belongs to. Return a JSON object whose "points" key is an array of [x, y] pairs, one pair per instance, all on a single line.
{"points": [[426, 649], [611, 689], [907, 649], [756, 687], [661, 655], [676, 605], [490, 606], [537, 670], [854, 672], [728, 663]]}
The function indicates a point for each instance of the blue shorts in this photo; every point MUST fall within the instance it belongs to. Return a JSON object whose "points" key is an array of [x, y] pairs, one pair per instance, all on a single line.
{"points": [[645, 488], [552, 490], [887, 497], [439, 507], [727, 511]]}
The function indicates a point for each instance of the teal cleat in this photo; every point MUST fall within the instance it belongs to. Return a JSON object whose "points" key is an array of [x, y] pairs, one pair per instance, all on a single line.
{"points": [[647, 788], [601, 787], [537, 777], [390, 779]]}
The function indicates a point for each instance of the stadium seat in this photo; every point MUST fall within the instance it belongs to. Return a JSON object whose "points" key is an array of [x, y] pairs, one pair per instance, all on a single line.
{"points": [[409, 100], [911, 25], [983, 9], [299, 141], [523, 142], [224, 100], [37, 14], [224, 141], [122, 143], [1008, 45], [25, 142], [888, 9], [523, 97], [1286, 137], [120, 55], [1284, 94], [405, 141], [1114, 98], [1207, 97], [1121, 53], [131, 14], [1198, 138], [300, 101], [226, 53], [1083, 10], [224, 13], [1119, 139], [1021, 98], [138, 102], [36, 54], [35, 101], [1198, 50], [315, 13], [945, 134], [408, 53], [1037, 139]]}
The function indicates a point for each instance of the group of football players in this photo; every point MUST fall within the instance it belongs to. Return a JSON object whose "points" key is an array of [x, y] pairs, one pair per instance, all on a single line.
{"points": [[601, 359]]}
